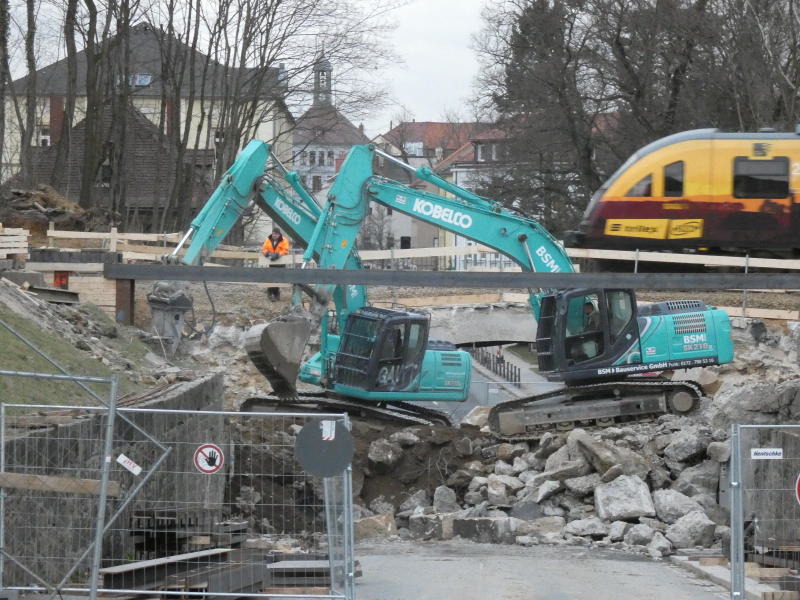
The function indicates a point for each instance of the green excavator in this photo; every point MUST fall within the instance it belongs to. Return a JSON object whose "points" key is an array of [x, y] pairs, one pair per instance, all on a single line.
{"points": [[381, 360]]}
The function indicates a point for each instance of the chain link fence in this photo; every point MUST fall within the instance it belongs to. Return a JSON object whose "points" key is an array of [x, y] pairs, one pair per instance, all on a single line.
{"points": [[184, 503], [765, 507]]}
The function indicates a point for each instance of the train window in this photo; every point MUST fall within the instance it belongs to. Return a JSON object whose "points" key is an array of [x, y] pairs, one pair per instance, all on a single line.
{"points": [[673, 179], [642, 189], [761, 178]]}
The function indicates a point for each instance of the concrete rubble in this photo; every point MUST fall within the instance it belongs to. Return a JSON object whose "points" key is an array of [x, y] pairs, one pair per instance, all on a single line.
{"points": [[650, 488]]}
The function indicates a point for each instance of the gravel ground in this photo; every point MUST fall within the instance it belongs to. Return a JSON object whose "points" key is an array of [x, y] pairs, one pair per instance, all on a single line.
{"points": [[244, 304]]}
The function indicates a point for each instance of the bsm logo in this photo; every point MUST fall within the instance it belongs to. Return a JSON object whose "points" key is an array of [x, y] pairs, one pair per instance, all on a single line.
{"points": [[694, 338], [446, 215], [548, 259], [287, 211]]}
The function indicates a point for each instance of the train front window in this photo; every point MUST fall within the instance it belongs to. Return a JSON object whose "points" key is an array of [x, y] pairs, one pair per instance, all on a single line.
{"points": [[643, 189], [761, 178], [673, 180]]}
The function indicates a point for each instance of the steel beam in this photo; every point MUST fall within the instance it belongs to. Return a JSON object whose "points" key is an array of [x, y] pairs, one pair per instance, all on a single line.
{"points": [[459, 279]]}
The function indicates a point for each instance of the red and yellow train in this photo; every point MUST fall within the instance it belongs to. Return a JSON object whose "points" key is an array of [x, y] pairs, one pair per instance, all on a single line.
{"points": [[702, 189]]}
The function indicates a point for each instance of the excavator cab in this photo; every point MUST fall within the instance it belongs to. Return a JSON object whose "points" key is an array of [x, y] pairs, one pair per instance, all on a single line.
{"points": [[381, 350], [583, 332], [590, 335]]}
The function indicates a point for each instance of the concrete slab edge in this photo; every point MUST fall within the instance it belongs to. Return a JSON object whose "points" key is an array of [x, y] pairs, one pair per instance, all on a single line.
{"points": [[721, 576]]}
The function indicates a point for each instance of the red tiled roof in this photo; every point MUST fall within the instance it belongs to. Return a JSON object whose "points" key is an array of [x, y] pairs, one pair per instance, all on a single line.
{"points": [[433, 134]]}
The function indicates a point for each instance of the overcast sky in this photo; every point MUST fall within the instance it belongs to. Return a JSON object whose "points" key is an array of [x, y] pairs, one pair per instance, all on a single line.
{"points": [[433, 37]]}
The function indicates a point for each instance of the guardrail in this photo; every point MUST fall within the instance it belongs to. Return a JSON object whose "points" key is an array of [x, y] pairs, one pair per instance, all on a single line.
{"points": [[117, 241]]}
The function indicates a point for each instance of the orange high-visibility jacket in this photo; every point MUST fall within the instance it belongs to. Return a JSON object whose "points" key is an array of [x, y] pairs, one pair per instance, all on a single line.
{"points": [[282, 247]]}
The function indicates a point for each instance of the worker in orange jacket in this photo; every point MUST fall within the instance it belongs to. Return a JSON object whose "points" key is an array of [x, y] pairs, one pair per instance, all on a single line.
{"points": [[273, 248]]}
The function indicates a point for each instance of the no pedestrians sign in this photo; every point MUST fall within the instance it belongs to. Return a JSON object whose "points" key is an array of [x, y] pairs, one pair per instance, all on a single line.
{"points": [[209, 458]]}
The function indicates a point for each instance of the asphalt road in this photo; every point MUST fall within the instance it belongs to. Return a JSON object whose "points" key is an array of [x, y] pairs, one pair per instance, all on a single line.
{"points": [[460, 570]]}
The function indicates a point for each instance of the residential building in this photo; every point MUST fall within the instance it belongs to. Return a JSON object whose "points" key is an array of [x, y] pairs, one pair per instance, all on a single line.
{"points": [[202, 109], [420, 144]]}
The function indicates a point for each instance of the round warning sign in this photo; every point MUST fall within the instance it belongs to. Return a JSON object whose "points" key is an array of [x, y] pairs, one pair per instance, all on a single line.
{"points": [[209, 458], [797, 489]]}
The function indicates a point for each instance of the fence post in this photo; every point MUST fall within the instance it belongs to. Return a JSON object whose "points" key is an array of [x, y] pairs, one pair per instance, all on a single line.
{"points": [[737, 516], [744, 291]]}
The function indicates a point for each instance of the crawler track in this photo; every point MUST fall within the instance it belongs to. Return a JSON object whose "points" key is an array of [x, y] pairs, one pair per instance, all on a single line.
{"points": [[399, 412], [593, 405]]}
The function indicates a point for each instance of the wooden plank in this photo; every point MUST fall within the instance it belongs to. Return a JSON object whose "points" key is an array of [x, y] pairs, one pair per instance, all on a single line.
{"points": [[72, 267], [106, 235], [780, 595], [48, 483], [158, 251], [710, 561]]}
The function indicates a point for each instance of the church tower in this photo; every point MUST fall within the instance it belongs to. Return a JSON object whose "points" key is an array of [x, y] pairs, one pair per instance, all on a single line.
{"points": [[322, 81]]}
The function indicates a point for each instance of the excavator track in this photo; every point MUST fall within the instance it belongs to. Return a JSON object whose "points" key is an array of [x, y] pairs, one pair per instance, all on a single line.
{"points": [[592, 405], [404, 413]]}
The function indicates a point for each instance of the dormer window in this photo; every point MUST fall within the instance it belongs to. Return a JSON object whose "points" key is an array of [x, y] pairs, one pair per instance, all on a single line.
{"points": [[480, 152], [141, 79]]}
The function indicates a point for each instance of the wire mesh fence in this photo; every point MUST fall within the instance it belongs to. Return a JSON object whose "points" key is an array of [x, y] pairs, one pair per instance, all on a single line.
{"points": [[765, 506], [210, 504]]}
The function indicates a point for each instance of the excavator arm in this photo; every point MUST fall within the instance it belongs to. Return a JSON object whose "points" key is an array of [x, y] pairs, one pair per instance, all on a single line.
{"points": [[522, 240]]}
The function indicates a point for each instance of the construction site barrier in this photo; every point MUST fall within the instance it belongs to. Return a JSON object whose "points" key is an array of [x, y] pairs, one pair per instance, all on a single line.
{"points": [[168, 503], [765, 508]]}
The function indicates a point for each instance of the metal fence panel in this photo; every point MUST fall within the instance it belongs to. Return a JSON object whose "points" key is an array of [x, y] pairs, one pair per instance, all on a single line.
{"points": [[224, 511], [765, 505]]}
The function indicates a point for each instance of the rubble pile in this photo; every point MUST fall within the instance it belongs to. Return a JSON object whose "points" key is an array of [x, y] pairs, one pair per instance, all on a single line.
{"points": [[124, 350], [649, 487], [35, 209]]}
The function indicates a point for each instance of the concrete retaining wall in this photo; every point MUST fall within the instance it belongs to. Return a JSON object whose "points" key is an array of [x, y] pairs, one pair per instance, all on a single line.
{"points": [[47, 530]]}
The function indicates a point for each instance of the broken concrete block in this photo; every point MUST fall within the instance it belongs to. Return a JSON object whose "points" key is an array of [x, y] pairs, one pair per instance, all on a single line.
{"points": [[501, 467], [383, 455], [627, 497], [497, 493], [509, 481], [477, 417], [415, 500], [688, 443], [405, 439], [671, 505], [639, 535], [379, 526], [617, 530], [445, 500], [582, 486], [463, 447], [719, 451], [592, 527], [546, 490], [693, 529], [659, 546], [487, 530], [699, 479], [431, 527], [381, 506]]}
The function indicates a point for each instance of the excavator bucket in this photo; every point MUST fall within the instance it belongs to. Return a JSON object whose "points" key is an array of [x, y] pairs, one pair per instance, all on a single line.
{"points": [[276, 350]]}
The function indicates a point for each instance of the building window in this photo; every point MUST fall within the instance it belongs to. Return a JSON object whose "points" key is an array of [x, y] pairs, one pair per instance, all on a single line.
{"points": [[44, 137], [312, 158], [480, 153], [405, 242], [643, 189], [389, 210], [761, 178], [317, 183], [673, 180], [330, 158], [304, 158]]}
